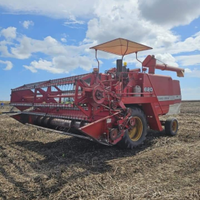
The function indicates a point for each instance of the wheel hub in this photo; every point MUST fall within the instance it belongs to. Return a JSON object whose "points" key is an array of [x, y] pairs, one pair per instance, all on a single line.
{"points": [[174, 126], [136, 128]]}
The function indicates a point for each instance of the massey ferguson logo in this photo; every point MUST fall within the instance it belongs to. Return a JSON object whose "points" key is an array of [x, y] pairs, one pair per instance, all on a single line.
{"points": [[148, 89]]}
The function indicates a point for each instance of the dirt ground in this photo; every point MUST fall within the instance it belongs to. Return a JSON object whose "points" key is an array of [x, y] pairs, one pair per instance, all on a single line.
{"points": [[39, 165]]}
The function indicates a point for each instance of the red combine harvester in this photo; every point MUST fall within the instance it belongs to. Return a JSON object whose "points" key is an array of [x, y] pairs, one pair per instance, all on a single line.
{"points": [[115, 107]]}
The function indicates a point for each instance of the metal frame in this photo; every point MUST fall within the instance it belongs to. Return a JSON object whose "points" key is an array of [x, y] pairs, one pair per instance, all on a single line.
{"points": [[93, 105]]}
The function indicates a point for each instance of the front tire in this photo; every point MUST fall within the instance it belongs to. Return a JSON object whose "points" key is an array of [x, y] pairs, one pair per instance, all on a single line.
{"points": [[171, 127], [136, 133]]}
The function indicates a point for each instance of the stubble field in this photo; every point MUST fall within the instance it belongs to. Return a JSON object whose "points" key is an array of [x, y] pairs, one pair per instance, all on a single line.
{"points": [[35, 164]]}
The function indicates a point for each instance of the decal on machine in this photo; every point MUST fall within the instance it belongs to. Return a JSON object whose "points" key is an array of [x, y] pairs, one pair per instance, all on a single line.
{"points": [[169, 98], [148, 89]]}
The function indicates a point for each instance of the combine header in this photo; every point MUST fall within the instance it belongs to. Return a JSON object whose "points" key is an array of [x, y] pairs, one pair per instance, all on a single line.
{"points": [[115, 107]]}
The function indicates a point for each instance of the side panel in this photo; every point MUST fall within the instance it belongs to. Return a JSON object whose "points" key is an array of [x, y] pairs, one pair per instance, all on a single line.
{"points": [[167, 96], [167, 92]]}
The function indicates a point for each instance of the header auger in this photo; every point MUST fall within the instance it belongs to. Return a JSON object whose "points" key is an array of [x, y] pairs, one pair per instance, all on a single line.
{"points": [[114, 107]]}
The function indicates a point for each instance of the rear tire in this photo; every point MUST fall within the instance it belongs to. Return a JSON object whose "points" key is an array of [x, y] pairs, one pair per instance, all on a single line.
{"points": [[171, 127], [135, 135]]}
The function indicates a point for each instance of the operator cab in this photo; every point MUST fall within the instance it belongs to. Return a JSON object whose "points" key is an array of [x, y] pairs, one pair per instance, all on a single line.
{"points": [[124, 47], [120, 47]]}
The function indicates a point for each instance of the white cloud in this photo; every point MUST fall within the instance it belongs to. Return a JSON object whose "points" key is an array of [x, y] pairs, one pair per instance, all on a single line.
{"points": [[147, 22], [189, 60], [193, 73], [105, 21], [43, 65], [60, 58], [27, 46], [188, 45], [8, 64], [9, 33], [49, 46], [31, 68], [167, 59], [60, 64], [63, 39], [4, 51], [170, 13], [54, 8], [187, 70], [27, 23], [115, 19], [4, 45], [72, 20], [121, 19], [70, 63]]}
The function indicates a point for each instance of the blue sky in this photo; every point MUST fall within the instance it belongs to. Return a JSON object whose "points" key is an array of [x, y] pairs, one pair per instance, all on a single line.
{"points": [[42, 40]]}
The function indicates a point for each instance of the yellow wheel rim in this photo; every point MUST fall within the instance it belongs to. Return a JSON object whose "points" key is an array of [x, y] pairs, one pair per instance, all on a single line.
{"points": [[174, 126], [135, 132]]}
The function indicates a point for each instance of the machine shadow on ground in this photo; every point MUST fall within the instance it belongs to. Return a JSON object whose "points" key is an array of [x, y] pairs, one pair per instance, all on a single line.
{"points": [[65, 161], [88, 155], [39, 165]]}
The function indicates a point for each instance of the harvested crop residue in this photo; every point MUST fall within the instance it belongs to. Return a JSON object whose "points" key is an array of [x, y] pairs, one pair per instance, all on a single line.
{"points": [[38, 165]]}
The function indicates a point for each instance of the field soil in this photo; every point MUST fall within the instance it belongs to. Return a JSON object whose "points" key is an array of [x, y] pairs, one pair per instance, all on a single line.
{"points": [[35, 164]]}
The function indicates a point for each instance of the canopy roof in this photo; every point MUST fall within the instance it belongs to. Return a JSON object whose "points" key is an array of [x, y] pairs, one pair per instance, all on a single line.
{"points": [[121, 47]]}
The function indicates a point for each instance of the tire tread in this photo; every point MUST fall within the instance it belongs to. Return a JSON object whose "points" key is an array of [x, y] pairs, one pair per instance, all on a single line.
{"points": [[126, 142]]}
